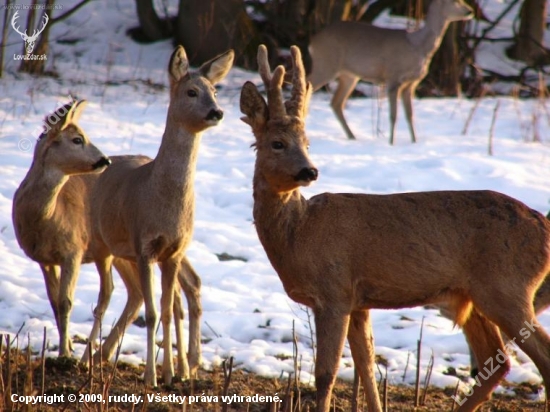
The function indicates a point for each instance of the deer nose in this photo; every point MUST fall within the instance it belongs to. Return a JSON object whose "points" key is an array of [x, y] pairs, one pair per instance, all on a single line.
{"points": [[103, 162], [214, 114], [308, 174]]}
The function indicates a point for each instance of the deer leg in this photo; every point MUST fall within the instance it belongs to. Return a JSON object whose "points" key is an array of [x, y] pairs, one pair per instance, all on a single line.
{"points": [[407, 96], [179, 315], [394, 91], [361, 342], [129, 275], [331, 328], [346, 84], [486, 343], [51, 278], [517, 319], [169, 269], [69, 276], [191, 285], [151, 316], [105, 291]]}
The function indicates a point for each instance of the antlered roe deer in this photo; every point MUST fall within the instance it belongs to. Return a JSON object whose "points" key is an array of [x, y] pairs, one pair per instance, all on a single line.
{"points": [[143, 209], [481, 253], [352, 51], [51, 212]]}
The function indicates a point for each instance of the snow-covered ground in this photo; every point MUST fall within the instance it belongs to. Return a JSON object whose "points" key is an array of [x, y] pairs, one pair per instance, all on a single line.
{"points": [[246, 312]]}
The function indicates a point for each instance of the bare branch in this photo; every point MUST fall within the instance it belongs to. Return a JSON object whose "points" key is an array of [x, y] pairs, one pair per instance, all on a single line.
{"points": [[68, 13]]}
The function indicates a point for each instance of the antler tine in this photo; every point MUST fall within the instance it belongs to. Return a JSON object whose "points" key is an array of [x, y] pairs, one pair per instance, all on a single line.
{"points": [[38, 31], [297, 105], [13, 23], [273, 83]]}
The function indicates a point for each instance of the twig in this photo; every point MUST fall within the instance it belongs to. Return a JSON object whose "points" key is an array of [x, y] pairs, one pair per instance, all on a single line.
{"points": [[212, 329], [2, 388], [17, 362], [494, 23], [43, 363], [380, 373], [90, 364], [419, 353], [9, 378], [472, 111], [311, 334], [385, 392], [288, 397], [455, 397], [491, 130], [227, 370], [69, 12], [427, 379], [295, 359], [406, 366]]}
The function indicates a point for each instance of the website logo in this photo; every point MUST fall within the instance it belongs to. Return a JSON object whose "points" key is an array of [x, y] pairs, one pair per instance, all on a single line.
{"points": [[30, 41]]}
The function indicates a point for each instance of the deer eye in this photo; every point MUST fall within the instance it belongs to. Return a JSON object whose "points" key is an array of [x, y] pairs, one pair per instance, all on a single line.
{"points": [[277, 145], [191, 93], [78, 140]]}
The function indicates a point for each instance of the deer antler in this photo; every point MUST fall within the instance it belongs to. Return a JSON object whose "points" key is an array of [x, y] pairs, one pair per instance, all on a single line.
{"points": [[301, 92], [13, 23], [273, 84], [37, 32]]}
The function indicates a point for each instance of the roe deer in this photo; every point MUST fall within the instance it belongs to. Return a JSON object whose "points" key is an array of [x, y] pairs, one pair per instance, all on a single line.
{"points": [[143, 209], [352, 51], [50, 209], [482, 253]]}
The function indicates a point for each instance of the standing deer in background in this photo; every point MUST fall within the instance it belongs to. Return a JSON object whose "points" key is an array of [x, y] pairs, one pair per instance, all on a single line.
{"points": [[143, 210], [352, 51], [51, 211], [481, 253]]}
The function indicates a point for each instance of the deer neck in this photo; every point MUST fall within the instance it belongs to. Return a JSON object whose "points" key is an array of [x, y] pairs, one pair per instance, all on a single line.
{"points": [[44, 186], [174, 167], [277, 217], [428, 38]]}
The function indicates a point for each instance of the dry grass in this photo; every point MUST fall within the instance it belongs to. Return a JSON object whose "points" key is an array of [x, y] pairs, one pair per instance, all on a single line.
{"points": [[23, 376]]}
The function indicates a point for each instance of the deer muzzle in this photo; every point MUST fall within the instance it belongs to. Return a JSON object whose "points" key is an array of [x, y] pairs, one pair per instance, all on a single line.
{"points": [[103, 162], [307, 174], [215, 114]]}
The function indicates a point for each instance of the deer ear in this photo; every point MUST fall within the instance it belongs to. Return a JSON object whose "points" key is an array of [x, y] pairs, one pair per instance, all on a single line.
{"points": [[253, 106], [60, 118], [179, 64], [218, 67], [75, 112]]}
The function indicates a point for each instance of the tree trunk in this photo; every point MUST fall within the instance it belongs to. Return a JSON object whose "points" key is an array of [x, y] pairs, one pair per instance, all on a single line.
{"points": [[328, 11], [42, 47], [207, 28], [446, 67], [529, 45], [4, 35], [152, 27]]}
